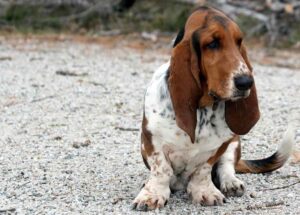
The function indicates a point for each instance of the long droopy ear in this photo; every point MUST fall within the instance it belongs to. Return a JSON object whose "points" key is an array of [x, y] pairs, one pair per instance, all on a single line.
{"points": [[184, 85], [243, 114]]}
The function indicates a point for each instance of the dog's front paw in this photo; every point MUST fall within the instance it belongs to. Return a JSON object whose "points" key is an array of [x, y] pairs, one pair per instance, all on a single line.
{"points": [[232, 187], [207, 195], [151, 198]]}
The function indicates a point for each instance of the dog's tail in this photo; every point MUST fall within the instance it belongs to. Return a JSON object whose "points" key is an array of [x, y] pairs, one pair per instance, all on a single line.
{"points": [[273, 162]]}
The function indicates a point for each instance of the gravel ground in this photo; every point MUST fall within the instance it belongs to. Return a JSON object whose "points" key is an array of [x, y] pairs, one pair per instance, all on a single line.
{"points": [[69, 119]]}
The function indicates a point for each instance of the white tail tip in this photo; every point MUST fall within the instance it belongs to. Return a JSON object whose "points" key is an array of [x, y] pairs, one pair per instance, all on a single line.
{"points": [[285, 149]]}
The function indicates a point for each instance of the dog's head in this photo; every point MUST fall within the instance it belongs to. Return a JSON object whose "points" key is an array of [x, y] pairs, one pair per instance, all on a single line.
{"points": [[209, 64]]}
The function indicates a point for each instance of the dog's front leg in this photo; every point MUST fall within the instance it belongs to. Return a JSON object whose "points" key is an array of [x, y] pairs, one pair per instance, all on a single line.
{"points": [[201, 188], [225, 178], [156, 191]]}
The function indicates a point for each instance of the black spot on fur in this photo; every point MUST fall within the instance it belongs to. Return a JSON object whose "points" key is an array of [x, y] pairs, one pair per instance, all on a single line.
{"points": [[170, 116], [167, 75], [179, 37], [259, 163], [196, 43], [201, 115], [169, 107], [215, 177], [201, 125], [164, 90], [267, 164], [212, 120], [221, 20], [163, 94], [202, 120], [154, 111], [163, 113]]}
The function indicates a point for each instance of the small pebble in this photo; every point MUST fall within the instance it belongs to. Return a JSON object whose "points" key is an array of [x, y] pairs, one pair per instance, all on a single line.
{"points": [[86, 143], [253, 195], [57, 138], [76, 145], [116, 200]]}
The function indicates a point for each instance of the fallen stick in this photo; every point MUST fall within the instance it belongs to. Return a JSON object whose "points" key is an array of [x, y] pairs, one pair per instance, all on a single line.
{"points": [[261, 206], [267, 205], [283, 187], [127, 129], [7, 210], [43, 98], [69, 73]]}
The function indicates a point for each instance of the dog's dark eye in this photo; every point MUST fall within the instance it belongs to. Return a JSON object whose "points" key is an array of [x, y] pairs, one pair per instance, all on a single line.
{"points": [[215, 44]]}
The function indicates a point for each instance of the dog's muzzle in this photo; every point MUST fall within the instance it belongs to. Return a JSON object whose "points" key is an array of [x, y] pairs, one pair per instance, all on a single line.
{"points": [[243, 82]]}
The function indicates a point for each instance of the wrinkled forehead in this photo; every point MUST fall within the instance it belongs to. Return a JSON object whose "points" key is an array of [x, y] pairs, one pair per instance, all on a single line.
{"points": [[212, 22]]}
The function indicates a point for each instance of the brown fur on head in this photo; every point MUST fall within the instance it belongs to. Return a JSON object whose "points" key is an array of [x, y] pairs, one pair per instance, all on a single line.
{"points": [[204, 63]]}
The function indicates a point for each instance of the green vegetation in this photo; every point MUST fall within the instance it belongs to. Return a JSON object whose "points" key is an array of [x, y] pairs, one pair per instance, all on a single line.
{"points": [[145, 15], [246, 23], [165, 16], [294, 36]]}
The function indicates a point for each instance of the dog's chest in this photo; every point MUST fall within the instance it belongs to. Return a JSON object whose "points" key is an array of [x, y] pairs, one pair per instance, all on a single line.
{"points": [[211, 133], [211, 130]]}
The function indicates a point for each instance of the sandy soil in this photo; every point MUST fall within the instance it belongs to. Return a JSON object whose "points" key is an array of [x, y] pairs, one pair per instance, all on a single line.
{"points": [[70, 112]]}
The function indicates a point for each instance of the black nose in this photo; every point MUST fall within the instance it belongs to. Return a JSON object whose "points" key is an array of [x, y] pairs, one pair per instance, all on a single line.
{"points": [[243, 82]]}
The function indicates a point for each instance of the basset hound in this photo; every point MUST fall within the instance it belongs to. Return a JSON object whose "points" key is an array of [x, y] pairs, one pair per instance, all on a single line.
{"points": [[196, 106]]}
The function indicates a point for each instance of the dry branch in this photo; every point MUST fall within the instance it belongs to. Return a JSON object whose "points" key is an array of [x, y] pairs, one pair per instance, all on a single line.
{"points": [[126, 129], [283, 187], [273, 15]]}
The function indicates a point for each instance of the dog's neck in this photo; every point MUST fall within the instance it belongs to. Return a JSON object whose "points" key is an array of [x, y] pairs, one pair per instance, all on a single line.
{"points": [[206, 101]]}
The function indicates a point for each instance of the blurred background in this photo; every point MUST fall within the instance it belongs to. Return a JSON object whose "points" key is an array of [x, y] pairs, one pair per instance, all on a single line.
{"points": [[272, 23], [73, 75]]}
